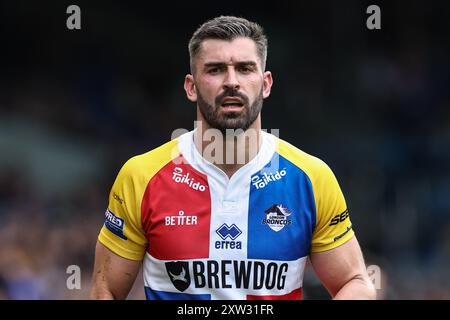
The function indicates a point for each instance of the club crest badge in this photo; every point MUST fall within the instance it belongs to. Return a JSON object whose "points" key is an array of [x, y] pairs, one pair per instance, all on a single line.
{"points": [[277, 217]]}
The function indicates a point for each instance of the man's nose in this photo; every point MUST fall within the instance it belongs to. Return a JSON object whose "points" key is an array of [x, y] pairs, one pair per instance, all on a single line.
{"points": [[231, 80]]}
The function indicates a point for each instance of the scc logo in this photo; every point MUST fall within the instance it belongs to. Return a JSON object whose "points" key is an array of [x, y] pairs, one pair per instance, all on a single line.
{"points": [[339, 218]]}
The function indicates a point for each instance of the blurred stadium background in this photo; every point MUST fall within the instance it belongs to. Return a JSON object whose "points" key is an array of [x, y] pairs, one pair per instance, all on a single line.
{"points": [[75, 105]]}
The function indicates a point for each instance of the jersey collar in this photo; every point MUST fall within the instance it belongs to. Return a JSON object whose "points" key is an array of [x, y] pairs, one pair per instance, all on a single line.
{"points": [[196, 160]]}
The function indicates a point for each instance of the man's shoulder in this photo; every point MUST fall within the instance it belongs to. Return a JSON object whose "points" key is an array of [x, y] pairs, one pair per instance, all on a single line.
{"points": [[147, 164], [311, 165]]}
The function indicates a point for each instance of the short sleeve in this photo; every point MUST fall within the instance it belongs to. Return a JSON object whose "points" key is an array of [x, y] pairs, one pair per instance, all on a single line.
{"points": [[333, 226], [122, 230]]}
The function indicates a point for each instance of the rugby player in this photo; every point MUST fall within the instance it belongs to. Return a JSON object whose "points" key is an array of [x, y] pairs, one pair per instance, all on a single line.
{"points": [[236, 223]]}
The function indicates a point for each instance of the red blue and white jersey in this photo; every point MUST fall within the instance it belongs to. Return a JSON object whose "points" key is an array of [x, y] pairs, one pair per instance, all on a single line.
{"points": [[203, 235]]}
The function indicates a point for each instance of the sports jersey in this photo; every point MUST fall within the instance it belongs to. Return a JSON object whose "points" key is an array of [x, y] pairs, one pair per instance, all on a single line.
{"points": [[203, 235]]}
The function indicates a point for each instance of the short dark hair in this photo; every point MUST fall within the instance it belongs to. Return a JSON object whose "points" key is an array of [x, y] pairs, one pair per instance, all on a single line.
{"points": [[228, 28]]}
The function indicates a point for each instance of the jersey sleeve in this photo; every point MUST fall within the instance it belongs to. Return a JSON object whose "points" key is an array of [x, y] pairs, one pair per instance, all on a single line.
{"points": [[122, 231], [333, 226]]}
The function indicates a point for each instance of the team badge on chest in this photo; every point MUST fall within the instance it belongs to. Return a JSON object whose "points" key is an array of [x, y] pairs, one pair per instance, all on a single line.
{"points": [[277, 217]]}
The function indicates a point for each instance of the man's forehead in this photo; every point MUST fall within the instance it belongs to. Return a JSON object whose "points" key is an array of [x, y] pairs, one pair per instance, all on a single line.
{"points": [[239, 49]]}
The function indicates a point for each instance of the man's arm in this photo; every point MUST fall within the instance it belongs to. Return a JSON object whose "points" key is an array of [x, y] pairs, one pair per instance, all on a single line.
{"points": [[113, 275], [343, 272]]}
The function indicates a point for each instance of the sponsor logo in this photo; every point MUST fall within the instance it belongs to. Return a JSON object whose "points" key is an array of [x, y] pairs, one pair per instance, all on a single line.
{"points": [[253, 275], [226, 232], [116, 197], [261, 180], [179, 177], [339, 218], [277, 217], [181, 220], [343, 234], [114, 224], [178, 272]]}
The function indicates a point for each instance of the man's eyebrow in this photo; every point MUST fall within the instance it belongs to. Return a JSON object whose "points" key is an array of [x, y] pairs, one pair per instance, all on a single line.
{"points": [[246, 63], [223, 64], [214, 64]]}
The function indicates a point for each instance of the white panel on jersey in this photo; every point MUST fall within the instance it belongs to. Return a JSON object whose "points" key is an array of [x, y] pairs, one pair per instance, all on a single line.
{"points": [[256, 277], [229, 197]]}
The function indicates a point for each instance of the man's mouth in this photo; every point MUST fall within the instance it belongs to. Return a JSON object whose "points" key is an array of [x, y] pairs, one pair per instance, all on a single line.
{"points": [[232, 104]]}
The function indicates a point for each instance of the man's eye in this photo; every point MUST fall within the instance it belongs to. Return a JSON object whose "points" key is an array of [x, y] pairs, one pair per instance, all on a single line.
{"points": [[214, 70], [245, 69]]}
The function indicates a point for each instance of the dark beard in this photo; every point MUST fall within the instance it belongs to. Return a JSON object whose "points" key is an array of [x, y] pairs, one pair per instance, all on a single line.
{"points": [[232, 120]]}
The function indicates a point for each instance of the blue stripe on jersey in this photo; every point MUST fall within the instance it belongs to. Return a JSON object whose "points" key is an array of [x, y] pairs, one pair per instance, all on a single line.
{"points": [[164, 295], [284, 232]]}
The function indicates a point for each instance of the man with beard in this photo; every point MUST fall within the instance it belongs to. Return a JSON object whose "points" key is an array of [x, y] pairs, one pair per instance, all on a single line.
{"points": [[227, 211]]}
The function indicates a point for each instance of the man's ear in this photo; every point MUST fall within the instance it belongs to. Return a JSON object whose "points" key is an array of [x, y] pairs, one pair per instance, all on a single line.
{"points": [[267, 84], [189, 87]]}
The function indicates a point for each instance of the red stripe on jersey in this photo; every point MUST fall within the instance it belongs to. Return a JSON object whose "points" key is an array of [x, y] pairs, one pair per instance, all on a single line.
{"points": [[176, 212], [293, 295]]}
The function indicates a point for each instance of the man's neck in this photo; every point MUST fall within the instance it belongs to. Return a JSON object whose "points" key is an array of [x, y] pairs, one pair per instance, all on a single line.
{"points": [[231, 151]]}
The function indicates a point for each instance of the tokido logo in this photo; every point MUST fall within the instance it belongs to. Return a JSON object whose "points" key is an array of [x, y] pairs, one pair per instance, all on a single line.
{"points": [[261, 180], [179, 177]]}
